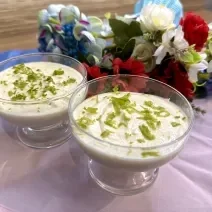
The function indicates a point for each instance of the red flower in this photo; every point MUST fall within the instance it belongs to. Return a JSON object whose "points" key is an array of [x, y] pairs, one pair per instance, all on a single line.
{"points": [[94, 71], [132, 66], [196, 30], [176, 76]]}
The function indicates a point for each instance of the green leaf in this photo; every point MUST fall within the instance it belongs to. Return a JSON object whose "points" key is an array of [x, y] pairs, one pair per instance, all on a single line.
{"points": [[118, 27], [134, 29], [120, 30], [196, 56], [128, 50], [82, 58], [120, 41]]}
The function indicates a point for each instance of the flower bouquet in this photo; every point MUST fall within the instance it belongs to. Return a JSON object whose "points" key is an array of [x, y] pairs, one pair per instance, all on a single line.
{"points": [[152, 43]]}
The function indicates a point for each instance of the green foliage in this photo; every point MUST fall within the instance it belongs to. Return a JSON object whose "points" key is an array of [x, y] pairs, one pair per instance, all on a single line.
{"points": [[123, 32]]}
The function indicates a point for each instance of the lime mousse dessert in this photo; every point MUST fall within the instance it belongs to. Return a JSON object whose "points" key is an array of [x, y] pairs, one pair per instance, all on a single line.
{"points": [[32, 91], [130, 130]]}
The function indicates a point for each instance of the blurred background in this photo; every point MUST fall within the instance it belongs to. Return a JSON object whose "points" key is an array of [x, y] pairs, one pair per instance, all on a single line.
{"points": [[19, 17]]}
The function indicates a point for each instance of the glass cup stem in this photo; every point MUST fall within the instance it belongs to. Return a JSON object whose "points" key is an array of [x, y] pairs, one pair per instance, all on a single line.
{"points": [[120, 181]]}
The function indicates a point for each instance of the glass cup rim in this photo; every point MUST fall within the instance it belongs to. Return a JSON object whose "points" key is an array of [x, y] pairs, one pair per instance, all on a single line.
{"points": [[45, 100], [70, 111]]}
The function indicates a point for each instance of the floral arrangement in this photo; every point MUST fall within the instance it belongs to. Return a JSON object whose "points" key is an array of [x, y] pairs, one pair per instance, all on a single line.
{"points": [[151, 43]]}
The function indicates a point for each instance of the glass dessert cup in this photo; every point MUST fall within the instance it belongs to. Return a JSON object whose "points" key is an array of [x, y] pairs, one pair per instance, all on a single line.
{"points": [[117, 168], [49, 128]]}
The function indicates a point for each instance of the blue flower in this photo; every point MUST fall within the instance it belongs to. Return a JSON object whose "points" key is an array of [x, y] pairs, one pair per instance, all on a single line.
{"points": [[74, 46], [43, 44]]}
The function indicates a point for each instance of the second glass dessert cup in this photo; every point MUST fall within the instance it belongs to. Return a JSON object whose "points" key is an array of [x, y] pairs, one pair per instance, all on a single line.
{"points": [[120, 169], [50, 127]]}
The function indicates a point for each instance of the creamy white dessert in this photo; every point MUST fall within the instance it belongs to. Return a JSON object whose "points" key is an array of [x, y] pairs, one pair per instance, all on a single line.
{"points": [[122, 126], [37, 81]]}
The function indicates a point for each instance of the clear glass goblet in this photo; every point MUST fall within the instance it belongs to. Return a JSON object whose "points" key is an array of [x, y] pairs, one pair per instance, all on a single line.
{"points": [[44, 129], [110, 165]]}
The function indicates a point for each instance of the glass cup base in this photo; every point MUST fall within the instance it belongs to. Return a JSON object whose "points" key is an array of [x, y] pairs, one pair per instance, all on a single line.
{"points": [[120, 181], [43, 138]]}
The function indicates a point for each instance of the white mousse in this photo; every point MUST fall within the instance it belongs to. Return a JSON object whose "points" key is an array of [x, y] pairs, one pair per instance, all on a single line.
{"points": [[37, 81], [124, 124]]}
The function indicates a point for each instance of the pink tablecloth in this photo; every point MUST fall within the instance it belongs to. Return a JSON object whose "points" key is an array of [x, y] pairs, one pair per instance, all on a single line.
{"points": [[57, 181]]}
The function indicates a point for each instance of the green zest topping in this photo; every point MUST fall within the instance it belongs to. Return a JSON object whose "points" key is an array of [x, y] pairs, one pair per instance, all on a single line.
{"points": [[127, 135], [149, 104], [69, 81], [151, 124], [177, 117], [49, 80], [58, 72], [3, 82], [34, 84], [91, 110], [10, 93], [84, 122], [162, 113], [110, 120], [21, 84], [125, 118], [120, 103], [116, 89], [32, 92], [122, 124], [140, 140], [148, 116], [150, 154], [32, 77], [175, 124], [146, 132], [18, 97], [106, 133], [99, 118], [184, 118], [51, 89]]}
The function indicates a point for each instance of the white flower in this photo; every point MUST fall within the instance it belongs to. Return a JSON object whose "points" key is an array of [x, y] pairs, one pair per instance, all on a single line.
{"points": [[179, 44], [195, 68], [157, 17], [210, 26], [210, 67]]}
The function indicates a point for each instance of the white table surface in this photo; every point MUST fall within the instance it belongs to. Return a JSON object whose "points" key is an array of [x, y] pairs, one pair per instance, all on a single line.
{"points": [[56, 180]]}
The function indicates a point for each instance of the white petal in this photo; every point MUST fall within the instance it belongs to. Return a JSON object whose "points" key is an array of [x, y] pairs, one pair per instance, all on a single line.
{"points": [[192, 75], [77, 31], [210, 67], [210, 26], [159, 50], [167, 36], [200, 66], [95, 50], [181, 44], [89, 36], [101, 42], [203, 56], [160, 54], [179, 33]]}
